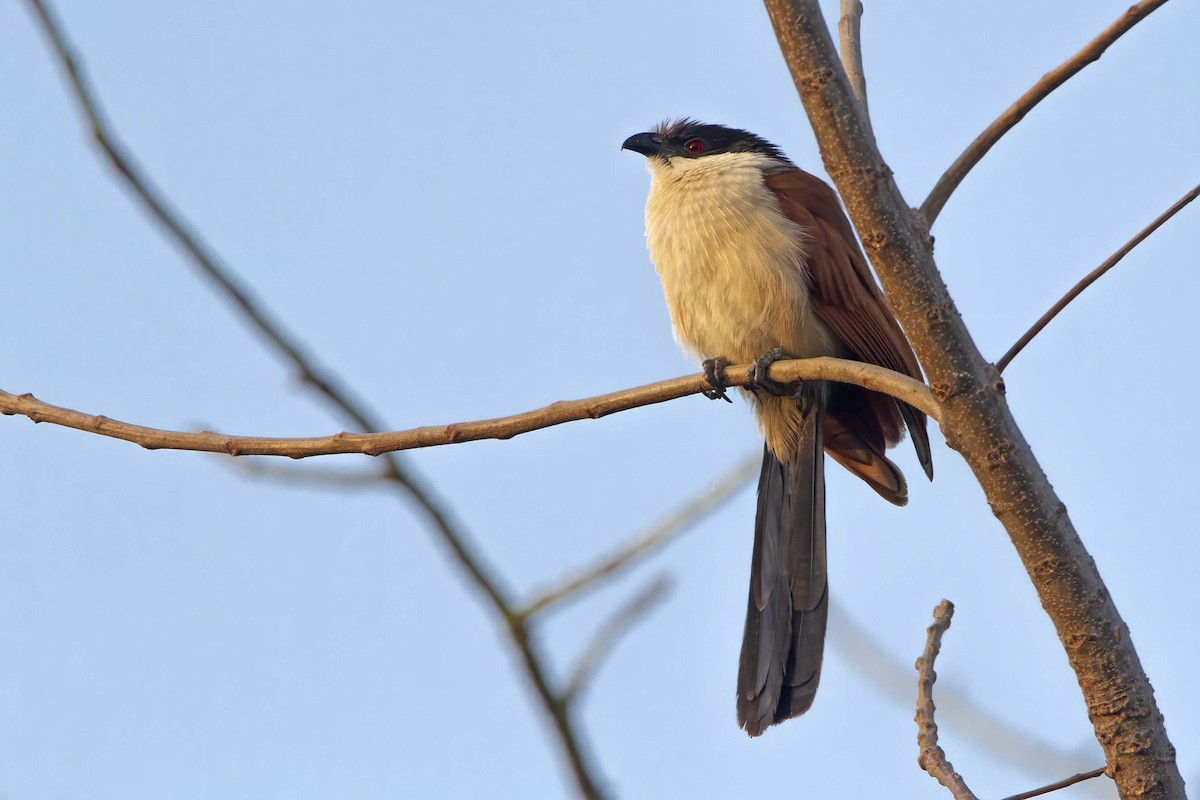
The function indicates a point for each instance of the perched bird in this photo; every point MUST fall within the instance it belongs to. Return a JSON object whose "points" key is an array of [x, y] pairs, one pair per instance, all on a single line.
{"points": [[759, 262]]}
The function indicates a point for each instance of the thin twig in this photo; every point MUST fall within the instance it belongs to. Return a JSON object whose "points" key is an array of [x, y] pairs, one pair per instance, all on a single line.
{"points": [[870, 376], [1000, 739], [610, 633], [1016, 112], [655, 537], [932, 758], [1064, 783], [288, 346], [850, 49], [1093, 276]]}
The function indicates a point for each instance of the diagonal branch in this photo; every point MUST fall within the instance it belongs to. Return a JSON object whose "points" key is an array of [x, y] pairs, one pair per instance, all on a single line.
{"points": [[637, 549], [977, 421], [1094, 276], [1054, 787], [1016, 112], [452, 536], [180, 231], [610, 633], [373, 444]]}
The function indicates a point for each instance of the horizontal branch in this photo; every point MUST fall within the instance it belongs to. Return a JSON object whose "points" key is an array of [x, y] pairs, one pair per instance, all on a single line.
{"points": [[1016, 112], [868, 376]]}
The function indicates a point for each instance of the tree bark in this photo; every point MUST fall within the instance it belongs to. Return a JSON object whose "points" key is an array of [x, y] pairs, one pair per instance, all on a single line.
{"points": [[977, 421]]}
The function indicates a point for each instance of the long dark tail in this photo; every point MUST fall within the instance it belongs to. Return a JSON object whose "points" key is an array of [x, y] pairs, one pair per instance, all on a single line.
{"points": [[789, 600]]}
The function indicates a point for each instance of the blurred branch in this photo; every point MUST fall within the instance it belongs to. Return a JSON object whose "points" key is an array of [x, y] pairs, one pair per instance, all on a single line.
{"points": [[1054, 787], [610, 633], [1016, 112], [334, 479], [1093, 276], [180, 231], [657, 536], [850, 49], [932, 758], [872, 377], [451, 535], [977, 420]]}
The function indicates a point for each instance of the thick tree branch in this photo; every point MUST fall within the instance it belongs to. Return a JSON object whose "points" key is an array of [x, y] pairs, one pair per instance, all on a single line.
{"points": [[931, 757], [977, 421], [373, 444], [1094, 276], [1016, 112]]}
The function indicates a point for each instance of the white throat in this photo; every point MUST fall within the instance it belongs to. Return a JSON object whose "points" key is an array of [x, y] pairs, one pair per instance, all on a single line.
{"points": [[732, 265]]}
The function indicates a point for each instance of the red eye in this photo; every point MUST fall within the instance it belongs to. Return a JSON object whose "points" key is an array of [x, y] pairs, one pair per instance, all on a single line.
{"points": [[694, 146]]}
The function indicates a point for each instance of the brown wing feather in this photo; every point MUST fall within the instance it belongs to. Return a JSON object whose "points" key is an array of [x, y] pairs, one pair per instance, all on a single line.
{"points": [[844, 295]]}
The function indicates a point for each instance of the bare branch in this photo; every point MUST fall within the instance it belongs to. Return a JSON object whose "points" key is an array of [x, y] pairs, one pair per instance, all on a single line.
{"points": [[977, 421], [1092, 277], [870, 376], [658, 535], [287, 345], [932, 758], [179, 230], [1016, 112], [610, 633], [1000, 739], [850, 49], [1054, 787]]}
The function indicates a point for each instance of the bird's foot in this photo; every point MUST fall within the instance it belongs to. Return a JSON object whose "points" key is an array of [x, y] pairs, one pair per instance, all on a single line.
{"points": [[759, 379], [714, 373]]}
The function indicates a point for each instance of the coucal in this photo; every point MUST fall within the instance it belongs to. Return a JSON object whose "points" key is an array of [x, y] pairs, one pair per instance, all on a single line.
{"points": [[759, 262]]}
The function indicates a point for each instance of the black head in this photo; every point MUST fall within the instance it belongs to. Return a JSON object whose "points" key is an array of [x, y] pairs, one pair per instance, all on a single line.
{"points": [[688, 138]]}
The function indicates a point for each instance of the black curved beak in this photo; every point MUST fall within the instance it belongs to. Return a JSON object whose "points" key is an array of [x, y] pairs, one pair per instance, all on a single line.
{"points": [[645, 143]]}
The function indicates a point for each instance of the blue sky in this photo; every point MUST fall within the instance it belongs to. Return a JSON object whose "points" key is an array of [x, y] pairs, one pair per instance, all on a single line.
{"points": [[432, 196]]}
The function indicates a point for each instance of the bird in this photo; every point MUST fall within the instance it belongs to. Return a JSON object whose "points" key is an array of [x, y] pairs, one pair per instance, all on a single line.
{"points": [[758, 262]]}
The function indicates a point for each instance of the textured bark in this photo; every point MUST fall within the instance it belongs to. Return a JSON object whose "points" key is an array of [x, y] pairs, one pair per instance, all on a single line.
{"points": [[977, 421]]}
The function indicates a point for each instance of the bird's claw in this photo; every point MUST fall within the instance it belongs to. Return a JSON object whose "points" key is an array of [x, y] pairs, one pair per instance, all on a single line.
{"points": [[760, 380], [714, 373]]}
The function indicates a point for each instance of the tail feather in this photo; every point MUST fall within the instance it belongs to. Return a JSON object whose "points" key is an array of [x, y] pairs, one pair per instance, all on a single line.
{"points": [[788, 604]]}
